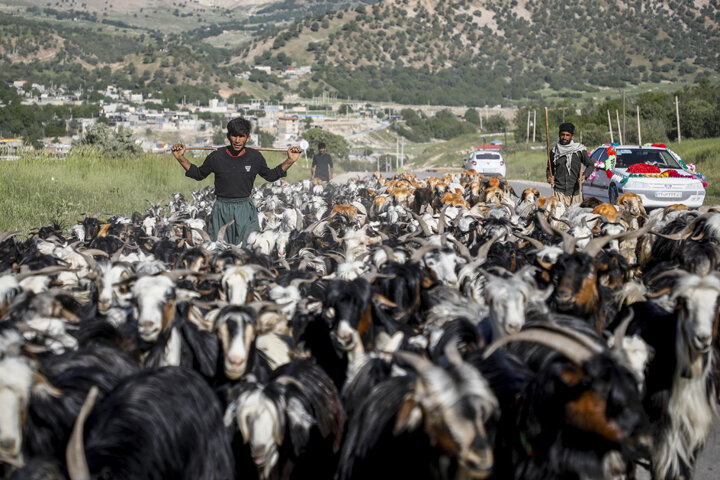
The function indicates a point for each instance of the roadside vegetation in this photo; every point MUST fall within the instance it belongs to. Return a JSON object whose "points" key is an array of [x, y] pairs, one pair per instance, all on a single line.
{"points": [[38, 190]]}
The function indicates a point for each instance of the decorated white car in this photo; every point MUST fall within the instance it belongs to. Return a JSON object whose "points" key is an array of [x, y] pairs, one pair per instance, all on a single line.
{"points": [[655, 173]]}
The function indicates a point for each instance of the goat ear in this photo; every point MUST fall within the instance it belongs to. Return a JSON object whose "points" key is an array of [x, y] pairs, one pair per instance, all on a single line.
{"points": [[409, 415], [42, 386]]}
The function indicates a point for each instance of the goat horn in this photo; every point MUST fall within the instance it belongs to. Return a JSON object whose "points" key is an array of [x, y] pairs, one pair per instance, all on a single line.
{"points": [[335, 256], [621, 330], [43, 271], [417, 362], [96, 251], [296, 282], [595, 245], [6, 235], [420, 253], [299, 222], [334, 234], [259, 306], [75, 452], [452, 353], [574, 351], [568, 240], [579, 337], [441, 220], [534, 241], [424, 226], [685, 232], [221, 232], [464, 251], [485, 248], [388, 252]]}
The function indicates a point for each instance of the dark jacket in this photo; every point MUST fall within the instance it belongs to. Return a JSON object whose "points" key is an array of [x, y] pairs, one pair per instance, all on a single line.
{"points": [[567, 183], [235, 174]]}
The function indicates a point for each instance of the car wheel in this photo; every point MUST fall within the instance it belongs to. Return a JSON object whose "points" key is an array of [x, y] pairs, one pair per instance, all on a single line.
{"points": [[612, 194]]}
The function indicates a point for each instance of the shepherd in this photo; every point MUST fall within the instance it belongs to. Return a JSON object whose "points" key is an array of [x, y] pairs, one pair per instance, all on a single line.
{"points": [[564, 172], [235, 167]]}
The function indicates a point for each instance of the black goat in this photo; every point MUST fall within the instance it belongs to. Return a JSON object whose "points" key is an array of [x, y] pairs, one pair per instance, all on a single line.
{"points": [[579, 415], [164, 423], [289, 427], [427, 424]]}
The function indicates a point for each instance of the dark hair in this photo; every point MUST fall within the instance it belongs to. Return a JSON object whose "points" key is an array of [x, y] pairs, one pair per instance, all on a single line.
{"points": [[239, 127], [567, 127], [321, 145]]}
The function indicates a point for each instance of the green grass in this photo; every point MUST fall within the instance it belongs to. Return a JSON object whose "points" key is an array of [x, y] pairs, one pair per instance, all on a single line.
{"points": [[39, 190], [705, 154]]}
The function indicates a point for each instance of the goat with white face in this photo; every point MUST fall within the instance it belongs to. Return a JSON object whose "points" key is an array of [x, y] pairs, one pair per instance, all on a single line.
{"points": [[291, 424], [235, 326], [683, 340], [111, 289], [235, 283], [508, 299], [155, 303], [19, 381]]}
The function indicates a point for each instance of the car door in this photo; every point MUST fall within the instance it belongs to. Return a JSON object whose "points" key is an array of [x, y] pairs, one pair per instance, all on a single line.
{"points": [[596, 186]]}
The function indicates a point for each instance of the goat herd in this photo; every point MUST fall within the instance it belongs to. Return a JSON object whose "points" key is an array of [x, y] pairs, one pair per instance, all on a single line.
{"points": [[383, 328]]}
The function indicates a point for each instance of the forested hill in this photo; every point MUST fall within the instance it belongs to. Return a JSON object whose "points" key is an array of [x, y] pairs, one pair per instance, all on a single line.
{"points": [[452, 52], [479, 52]]}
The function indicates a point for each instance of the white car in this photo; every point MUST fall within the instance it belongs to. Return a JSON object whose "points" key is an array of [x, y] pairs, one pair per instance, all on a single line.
{"points": [[487, 162], [670, 184]]}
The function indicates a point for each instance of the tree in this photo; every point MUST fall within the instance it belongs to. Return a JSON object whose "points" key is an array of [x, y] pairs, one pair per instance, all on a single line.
{"points": [[495, 123], [472, 116], [336, 145], [109, 142]]}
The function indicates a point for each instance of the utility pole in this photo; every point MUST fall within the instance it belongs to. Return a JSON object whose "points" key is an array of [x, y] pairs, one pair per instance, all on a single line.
{"points": [[624, 132], [402, 154], [677, 117], [527, 132], [638, 122], [397, 153], [617, 117], [534, 123], [563, 110], [610, 127]]}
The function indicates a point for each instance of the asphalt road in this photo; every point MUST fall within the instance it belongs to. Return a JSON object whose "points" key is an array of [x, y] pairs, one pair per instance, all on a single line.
{"points": [[708, 465]]}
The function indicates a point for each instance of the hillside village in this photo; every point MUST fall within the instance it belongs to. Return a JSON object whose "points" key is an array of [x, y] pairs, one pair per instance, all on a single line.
{"points": [[155, 127]]}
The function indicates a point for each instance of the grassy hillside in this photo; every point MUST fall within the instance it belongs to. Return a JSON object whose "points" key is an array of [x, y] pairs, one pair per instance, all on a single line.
{"points": [[477, 52], [441, 52]]}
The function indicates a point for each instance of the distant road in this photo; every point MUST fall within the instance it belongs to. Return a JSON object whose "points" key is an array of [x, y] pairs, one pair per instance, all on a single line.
{"points": [[518, 185]]}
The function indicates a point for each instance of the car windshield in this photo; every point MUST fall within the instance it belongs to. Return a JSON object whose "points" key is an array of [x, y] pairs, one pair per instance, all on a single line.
{"points": [[487, 156], [658, 158]]}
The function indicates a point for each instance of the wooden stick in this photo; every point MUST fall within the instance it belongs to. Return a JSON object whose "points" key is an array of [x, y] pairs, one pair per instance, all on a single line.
{"points": [[547, 138], [262, 149]]}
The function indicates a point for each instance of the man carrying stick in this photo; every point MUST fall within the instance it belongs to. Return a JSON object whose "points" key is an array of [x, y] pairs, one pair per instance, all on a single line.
{"points": [[235, 168], [564, 171]]}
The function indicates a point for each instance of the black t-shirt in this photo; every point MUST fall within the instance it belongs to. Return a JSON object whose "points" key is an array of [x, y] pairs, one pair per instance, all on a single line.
{"points": [[235, 174], [322, 163]]}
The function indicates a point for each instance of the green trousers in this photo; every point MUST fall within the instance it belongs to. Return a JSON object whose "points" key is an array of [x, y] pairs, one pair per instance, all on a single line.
{"points": [[225, 210]]}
